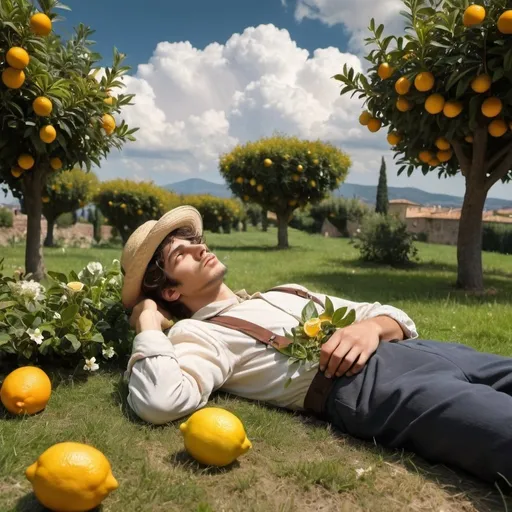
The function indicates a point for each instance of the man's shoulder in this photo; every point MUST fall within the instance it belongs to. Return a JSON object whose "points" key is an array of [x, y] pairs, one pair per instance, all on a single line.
{"points": [[187, 325], [291, 285]]}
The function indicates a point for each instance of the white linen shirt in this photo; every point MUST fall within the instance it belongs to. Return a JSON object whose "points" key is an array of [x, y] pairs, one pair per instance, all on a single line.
{"points": [[172, 374]]}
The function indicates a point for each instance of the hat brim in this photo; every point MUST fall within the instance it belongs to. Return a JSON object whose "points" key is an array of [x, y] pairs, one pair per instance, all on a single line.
{"points": [[146, 240]]}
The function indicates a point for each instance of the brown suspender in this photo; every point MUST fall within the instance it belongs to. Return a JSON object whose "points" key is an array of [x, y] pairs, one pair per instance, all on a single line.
{"points": [[318, 392]]}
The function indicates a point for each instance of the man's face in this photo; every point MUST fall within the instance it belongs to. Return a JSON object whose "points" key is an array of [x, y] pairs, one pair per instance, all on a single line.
{"points": [[193, 266]]}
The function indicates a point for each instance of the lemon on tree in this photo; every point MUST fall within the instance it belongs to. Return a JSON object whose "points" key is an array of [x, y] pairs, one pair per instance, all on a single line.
{"points": [[267, 162], [215, 437], [108, 123]]}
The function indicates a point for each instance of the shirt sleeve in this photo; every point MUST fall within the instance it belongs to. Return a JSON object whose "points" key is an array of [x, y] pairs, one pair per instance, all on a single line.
{"points": [[366, 310], [170, 376]]}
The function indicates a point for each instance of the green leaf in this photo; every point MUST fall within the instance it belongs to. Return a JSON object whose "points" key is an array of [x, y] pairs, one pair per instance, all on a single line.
{"points": [[58, 276], [69, 314], [348, 320], [309, 311], [98, 338], [338, 315], [75, 344], [329, 307], [4, 338], [84, 324], [47, 328], [7, 304]]}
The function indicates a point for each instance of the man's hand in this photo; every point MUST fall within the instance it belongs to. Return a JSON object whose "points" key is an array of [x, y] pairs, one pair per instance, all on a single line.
{"points": [[147, 315], [348, 349]]}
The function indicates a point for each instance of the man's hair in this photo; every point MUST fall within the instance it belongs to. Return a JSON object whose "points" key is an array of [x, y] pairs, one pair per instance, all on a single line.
{"points": [[156, 280]]}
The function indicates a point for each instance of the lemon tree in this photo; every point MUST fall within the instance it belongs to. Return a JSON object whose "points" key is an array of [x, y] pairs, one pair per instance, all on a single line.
{"points": [[65, 192], [282, 174], [57, 110], [443, 93]]}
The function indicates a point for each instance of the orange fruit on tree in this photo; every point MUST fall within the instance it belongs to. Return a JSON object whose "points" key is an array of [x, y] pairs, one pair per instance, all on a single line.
{"points": [[295, 177], [316, 161], [444, 156], [313, 183], [40, 24], [469, 139], [45, 199], [109, 100], [434, 104], [402, 86], [239, 180], [492, 107], [56, 163], [424, 81], [385, 71], [26, 162], [13, 78], [259, 188], [267, 162], [17, 171], [42, 106], [312, 327], [403, 105], [473, 15], [300, 168], [394, 138], [434, 162], [497, 128], [505, 22], [139, 212], [425, 156], [374, 125], [48, 134], [17, 57], [452, 109], [26, 390], [252, 182], [481, 84], [364, 118], [442, 144], [108, 123]]}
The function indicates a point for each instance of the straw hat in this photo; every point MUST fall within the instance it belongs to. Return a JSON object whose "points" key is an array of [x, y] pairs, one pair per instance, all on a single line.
{"points": [[144, 241]]}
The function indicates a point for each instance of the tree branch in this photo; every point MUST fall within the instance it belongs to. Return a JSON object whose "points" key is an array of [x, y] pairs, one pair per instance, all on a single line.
{"points": [[498, 156], [500, 171], [464, 161]]}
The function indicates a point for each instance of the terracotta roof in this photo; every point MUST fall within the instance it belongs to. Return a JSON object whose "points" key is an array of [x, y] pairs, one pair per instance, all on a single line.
{"points": [[401, 201], [452, 214], [505, 211]]}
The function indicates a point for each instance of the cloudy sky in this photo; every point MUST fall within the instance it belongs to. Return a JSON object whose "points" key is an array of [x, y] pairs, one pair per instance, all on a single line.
{"points": [[209, 74]]}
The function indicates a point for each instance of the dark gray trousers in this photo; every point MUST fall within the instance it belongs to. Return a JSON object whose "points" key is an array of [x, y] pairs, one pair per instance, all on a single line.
{"points": [[446, 402]]}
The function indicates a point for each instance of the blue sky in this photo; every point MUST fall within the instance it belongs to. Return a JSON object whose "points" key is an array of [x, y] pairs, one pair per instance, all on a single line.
{"points": [[209, 74]]}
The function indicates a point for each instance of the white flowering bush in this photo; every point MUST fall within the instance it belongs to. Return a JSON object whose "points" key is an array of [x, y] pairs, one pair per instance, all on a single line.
{"points": [[77, 320]]}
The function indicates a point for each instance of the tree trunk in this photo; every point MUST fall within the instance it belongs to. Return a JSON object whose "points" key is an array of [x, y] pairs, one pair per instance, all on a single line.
{"points": [[469, 243], [282, 230], [264, 220], [33, 187], [48, 241]]}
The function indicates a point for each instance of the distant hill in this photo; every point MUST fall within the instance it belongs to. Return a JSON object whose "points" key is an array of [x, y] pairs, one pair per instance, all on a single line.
{"points": [[364, 192]]}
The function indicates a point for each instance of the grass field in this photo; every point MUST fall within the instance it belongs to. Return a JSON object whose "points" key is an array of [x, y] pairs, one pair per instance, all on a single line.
{"points": [[296, 463]]}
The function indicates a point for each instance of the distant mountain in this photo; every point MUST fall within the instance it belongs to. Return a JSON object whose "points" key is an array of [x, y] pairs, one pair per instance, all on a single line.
{"points": [[365, 193]]}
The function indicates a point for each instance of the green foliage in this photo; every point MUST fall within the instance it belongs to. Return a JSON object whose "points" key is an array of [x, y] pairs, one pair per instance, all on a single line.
{"points": [[6, 218], [254, 213], [97, 221], [384, 239], [303, 220], [497, 238], [218, 214], [382, 203], [60, 324], [128, 204], [65, 220]]}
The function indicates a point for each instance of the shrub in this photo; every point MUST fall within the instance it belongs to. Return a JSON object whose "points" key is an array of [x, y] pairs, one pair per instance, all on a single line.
{"points": [[218, 214], [497, 239], [254, 213], [66, 220], [303, 220], [64, 325], [384, 239], [339, 211], [6, 218]]}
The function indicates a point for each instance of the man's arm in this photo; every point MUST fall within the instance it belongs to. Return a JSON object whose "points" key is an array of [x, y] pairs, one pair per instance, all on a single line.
{"points": [[388, 328]]}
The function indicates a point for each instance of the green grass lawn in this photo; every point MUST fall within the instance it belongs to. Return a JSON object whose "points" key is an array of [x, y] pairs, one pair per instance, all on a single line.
{"points": [[296, 463]]}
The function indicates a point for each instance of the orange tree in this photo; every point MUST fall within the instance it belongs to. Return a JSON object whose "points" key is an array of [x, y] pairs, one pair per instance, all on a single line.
{"points": [[55, 111], [66, 192], [282, 174], [443, 91]]}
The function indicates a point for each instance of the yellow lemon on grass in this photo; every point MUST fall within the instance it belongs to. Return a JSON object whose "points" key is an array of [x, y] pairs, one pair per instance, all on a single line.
{"points": [[364, 118], [492, 107], [48, 134], [26, 390], [312, 327], [108, 123], [481, 84], [403, 105], [394, 138], [497, 128], [75, 286], [425, 156], [505, 22], [424, 81], [13, 78], [385, 71], [17, 58], [374, 125], [71, 477], [402, 86], [473, 15], [42, 106], [40, 24], [215, 437], [434, 104], [17, 171], [26, 162], [452, 109], [444, 156], [56, 163], [442, 144], [267, 162]]}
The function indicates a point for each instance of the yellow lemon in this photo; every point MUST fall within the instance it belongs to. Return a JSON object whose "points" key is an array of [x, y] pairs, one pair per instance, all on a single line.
{"points": [[215, 437], [17, 58], [300, 168], [123, 206], [403, 105], [139, 212], [267, 162], [313, 183], [469, 139], [385, 71], [425, 156], [473, 15], [434, 104], [295, 177], [239, 180], [481, 84], [109, 100], [497, 128], [108, 123], [71, 477], [26, 162], [402, 86], [442, 144], [56, 163], [444, 156], [424, 81], [374, 125], [394, 138], [40, 24], [17, 171], [364, 118], [42, 106], [492, 107], [505, 22], [45, 199], [75, 286], [110, 203], [259, 188], [312, 327], [452, 109], [252, 182], [13, 78], [26, 390], [316, 161], [48, 134]]}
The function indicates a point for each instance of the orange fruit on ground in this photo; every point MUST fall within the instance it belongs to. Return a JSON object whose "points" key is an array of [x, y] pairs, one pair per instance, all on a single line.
{"points": [[17, 171], [403, 105], [442, 144], [425, 156], [481, 84], [444, 156], [469, 139], [385, 71], [48, 134], [56, 163], [452, 109], [374, 125], [497, 128], [13, 78], [17, 57], [505, 22], [424, 81], [42, 106], [402, 86], [473, 15], [492, 107], [300, 168], [26, 162], [40, 24], [434, 104], [364, 118], [394, 138], [267, 162], [108, 123], [26, 390]]}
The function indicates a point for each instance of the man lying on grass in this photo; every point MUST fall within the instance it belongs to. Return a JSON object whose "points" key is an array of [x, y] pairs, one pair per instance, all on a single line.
{"points": [[375, 380]]}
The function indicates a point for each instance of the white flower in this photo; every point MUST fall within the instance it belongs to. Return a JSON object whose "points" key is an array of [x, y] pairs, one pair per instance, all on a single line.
{"points": [[35, 335], [91, 365], [109, 352], [30, 291], [95, 268], [56, 316], [361, 472], [63, 298]]}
